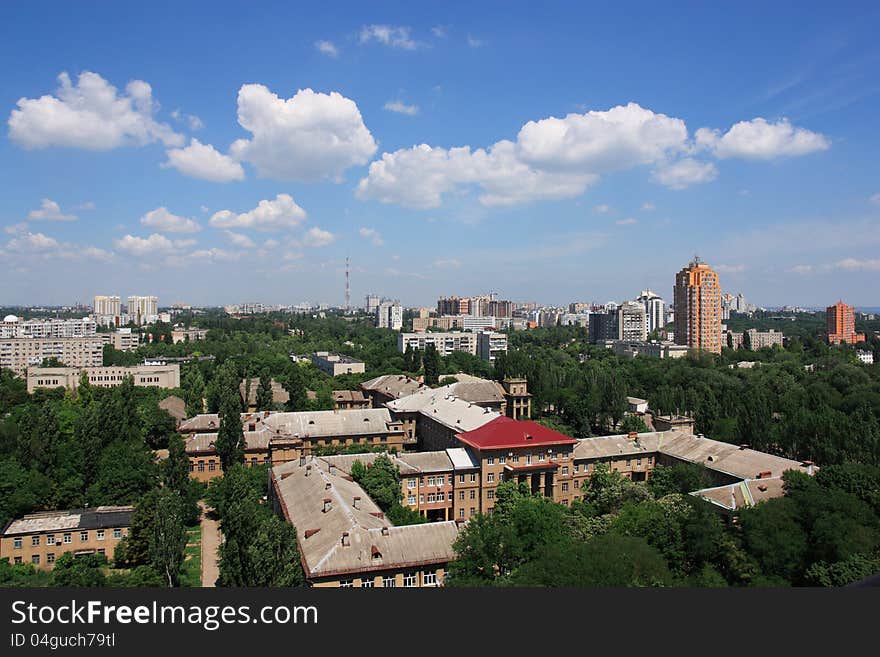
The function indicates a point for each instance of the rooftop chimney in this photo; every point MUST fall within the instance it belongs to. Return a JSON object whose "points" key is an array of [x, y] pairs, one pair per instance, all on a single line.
{"points": [[762, 487], [744, 446], [356, 503], [633, 435], [385, 531], [809, 466], [345, 539], [328, 504], [327, 486], [312, 532]]}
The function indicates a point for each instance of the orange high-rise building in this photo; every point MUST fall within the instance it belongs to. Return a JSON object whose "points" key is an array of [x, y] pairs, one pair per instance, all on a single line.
{"points": [[840, 324], [698, 307]]}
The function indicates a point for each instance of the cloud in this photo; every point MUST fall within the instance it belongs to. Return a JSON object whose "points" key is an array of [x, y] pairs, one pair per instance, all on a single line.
{"points": [[418, 177], [143, 246], [759, 140], [318, 237], [213, 255], [270, 244], [50, 211], [311, 136], [16, 229], [439, 31], [729, 269], [450, 263], [629, 221], [401, 108], [802, 269], [94, 253], [647, 206], [30, 242], [90, 114], [327, 48], [203, 161], [684, 172], [194, 122], [372, 235], [602, 208], [875, 199], [239, 240], [388, 35], [474, 42], [88, 205], [165, 222], [854, 264], [280, 214]]}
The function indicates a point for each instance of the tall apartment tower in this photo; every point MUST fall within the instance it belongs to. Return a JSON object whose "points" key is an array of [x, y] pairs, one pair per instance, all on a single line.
{"points": [[655, 311], [698, 307], [840, 324], [104, 305], [389, 314], [143, 310], [372, 303]]}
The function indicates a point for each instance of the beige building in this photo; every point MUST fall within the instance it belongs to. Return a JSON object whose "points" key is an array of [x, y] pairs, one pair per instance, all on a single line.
{"points": [[161, 376], [51, 327], [344, 400], [445, 343], [490, 344], [123, 339], [344, 538], [18, 354], [280, 396], [107, 305], [40, 538], [337, 364], [188, 334], [389, 387], [698, 307], [758, 339]]}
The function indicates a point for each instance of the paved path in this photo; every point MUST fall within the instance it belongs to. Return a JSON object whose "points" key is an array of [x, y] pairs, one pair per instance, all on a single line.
{"points": [[210, 544]]}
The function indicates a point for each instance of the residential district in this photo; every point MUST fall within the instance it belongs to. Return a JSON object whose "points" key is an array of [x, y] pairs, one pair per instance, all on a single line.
{"points": [[385, 452]]}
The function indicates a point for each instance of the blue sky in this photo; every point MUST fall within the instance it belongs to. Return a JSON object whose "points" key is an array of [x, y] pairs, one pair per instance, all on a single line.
{"points": [[220, 152]]}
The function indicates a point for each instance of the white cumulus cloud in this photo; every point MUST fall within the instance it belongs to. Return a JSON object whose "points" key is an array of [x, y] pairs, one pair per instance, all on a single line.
{"points": [[373, 235], [629, 221], [50, 211], [856, 264], [166, 222], [318, 237], [29, 242], [90, 114], [203, 161], [279, 214], [759, 139], [311, 136], [684, 173], [143, 246], [399, 107], [327, 48], [388, 35], [239, 240]]}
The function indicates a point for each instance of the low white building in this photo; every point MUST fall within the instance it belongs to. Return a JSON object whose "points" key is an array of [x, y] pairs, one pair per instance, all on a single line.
{"points": [[867, 357]]}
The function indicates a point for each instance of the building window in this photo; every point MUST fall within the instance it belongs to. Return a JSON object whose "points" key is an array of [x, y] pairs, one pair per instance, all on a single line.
{"points": [[389, 582], [35, 559], [410, 580], [100, 534], [473, 494], [102, 551], [117, 533], [35, 541], [410, 483], [461, 478], [461, 494], [627, 462], [411, 500], [421, 499], [50, 557], [367, 583], [50, 540], [490, 460], [565, 487], [346, 583], [541, 456], [461, 512], [16, 543], [17, 559], [83, 537], [490, 478], [441, 497], [564, 470], [639, 462], [201, 466], [502, 460], [429, 579], [431, 498], [473, 512], [473, 477], [68, 538], [577, 468], [528, 459], [211, 465]]}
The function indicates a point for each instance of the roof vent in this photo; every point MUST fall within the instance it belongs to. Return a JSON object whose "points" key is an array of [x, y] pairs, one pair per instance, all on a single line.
{"points": [[328, 504], [744, 446], [528, 436], [356, 503], [762, 488], [327, 486], [311, 532], [385, 531], [374, 552], [345, 539]]}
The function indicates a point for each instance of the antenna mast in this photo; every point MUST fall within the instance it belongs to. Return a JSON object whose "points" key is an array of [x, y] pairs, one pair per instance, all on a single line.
{"points": [[347, 287]]}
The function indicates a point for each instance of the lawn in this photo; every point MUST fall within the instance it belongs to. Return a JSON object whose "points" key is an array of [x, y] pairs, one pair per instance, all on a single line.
{"points": [[191, 573]]}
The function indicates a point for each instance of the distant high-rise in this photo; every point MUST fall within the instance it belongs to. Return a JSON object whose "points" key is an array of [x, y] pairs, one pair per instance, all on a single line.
{"points": [[697, 303], [372, 303], [105, 305], [840, 324], [143, 310], [389, 314], [655, 318]]}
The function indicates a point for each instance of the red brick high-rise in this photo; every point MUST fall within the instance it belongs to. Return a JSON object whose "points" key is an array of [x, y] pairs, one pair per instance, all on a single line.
{"points": [[840, 324]]}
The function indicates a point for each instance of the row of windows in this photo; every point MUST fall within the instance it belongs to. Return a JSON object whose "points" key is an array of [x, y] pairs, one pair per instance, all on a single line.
{"points": [[410, 580], [542, 456], [50, 557], [52, 539]]}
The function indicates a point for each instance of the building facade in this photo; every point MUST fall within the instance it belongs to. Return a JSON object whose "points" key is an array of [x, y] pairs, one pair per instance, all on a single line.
{"points": [[18, 354], [107, 306], [655, 311], [840, 324], [389, 315], [160, 376], [698, 307], [15, 327], [445, 343], [143, 310], [337, 364], [490, 344]]}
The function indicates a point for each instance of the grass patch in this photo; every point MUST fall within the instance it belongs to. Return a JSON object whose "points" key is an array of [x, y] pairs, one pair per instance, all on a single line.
{"points": [[191, 573]]}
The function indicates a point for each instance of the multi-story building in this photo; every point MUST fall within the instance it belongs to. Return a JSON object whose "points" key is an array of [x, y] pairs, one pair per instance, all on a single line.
{"points": [[655, 311], [159, 376], [123, 339], [372, 303], [337, 364], [633, 348], [107, 306], [188, 334], [280, 396], [757, 339], [344, 400], [445, 343], [389, 387], [143, 310], [41, 538], [866, 357], [389, 315], [18, 354], [15, 327], [840, 324], [524, 452], [490, 344], [519, 399], [344, 538], [698, 307], [626, 322]]}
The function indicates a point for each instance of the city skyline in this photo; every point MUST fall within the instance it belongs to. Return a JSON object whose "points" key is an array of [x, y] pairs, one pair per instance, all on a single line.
{"points": [[439, 153]]}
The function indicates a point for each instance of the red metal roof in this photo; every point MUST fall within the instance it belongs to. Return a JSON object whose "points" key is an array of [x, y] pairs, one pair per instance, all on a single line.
{"points": [[505, 433]]}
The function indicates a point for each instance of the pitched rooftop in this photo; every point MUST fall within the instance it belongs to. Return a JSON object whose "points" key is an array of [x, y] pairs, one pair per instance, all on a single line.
{"points": [[101, 517], [504, 432], [393, 385]]}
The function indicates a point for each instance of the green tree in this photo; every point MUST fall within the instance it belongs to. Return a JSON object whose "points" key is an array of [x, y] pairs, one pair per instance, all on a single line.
{"points": [[158, 427], [167, 544], [193, 385], [295, 385], [84, 570], [431, 362], [230, 442], [264, 393]]}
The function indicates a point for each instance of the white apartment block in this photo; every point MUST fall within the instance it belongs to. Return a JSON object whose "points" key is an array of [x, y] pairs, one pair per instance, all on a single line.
{"points": [[490, 344], [162, 376], [445, 343], [655, 310], [107, 306], [18, 354], [122, 339], [389, 315], [143, 310], [15, 327], [867, 357]]}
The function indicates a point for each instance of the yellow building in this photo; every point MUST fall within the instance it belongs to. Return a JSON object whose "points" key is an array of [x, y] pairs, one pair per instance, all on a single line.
{"points": [[698, 307]]}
